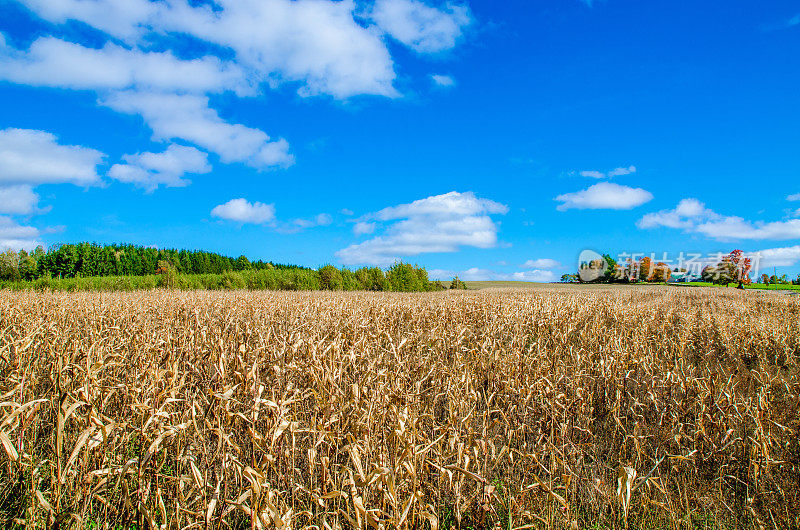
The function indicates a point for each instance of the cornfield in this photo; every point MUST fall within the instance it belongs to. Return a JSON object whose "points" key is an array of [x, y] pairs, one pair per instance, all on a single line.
{"points": [[573, 408]]}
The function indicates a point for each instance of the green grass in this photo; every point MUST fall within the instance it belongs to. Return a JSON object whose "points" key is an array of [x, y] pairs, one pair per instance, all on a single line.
{"points": [[507, 284], [491, 285], [771, 287]]}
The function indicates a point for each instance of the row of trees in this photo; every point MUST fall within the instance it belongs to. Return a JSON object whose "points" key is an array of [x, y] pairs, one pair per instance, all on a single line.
{"points": [[774, 279], [733, 268], [89, 259], [72, 266]]}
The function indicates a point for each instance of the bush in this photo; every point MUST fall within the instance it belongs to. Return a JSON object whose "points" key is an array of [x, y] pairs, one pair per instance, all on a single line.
{"points": [[403, 277], [400, 277], [457, 284], [330, 278]]}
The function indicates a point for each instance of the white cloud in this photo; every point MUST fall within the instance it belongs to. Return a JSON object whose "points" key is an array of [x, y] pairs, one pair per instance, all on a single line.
{"points": [[319, 44], [35, 157], [19, 199], [685, 216], [692, 216], [56, 63], [778, 257], [616, 172], [622, 171], [321, 47], [346, 211], [541, 263], [16, 236], [124, 19], [440, 223], [323, 219], [419, 26], [476, 274], [604, 195], [148, 170], [298, 225], [443, 80], [794, 197], [243, 211], [730, 228], [189, 118], [362, 227]]}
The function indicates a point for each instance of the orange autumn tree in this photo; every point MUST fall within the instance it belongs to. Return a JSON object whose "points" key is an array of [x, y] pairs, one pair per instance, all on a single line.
{"points": [[739, 264], [645, 269], [661, 273]]}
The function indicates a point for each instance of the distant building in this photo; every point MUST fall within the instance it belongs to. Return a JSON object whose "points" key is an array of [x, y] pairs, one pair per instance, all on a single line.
{"points": [[684, 277]]}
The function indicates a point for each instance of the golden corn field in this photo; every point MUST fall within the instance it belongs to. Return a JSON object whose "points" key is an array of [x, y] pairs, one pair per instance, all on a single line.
{"points": [[621, 407]]}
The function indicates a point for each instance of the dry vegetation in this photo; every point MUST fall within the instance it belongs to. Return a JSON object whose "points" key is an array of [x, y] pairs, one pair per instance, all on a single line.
{"points": [[513, 409]]}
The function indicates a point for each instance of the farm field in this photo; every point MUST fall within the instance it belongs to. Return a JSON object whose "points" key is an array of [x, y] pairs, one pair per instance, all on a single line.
{"points": [[504, 408]]}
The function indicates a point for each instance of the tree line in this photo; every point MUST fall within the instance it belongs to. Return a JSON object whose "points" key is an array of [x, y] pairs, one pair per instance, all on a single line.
{"points": [[90, 259], [734, 267], [88, 266]]}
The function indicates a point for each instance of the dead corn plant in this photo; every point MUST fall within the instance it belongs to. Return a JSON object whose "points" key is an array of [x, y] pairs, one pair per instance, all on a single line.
{"points": [[506, 409]]}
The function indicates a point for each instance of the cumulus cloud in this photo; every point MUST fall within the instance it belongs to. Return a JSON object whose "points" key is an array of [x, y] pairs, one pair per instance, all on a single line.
{"points": [[57, 63], [188, 117], [616, 172], [692, 216], [19, 199], [731, 228], [35, 157], [443, 80], [794, 197], [440, 223], [149, 170], [541, 263], [685, 215], [476, 274], [604, 195], [779, 257], [326, 47], [243, 211], [422, 28], [319, 47], [15, 236]]}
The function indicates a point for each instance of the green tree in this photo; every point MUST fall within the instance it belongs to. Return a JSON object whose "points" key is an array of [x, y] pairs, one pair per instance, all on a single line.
{"points": [[27, 266], [372, 279], [242, 264], [457, 283], [330, 278], [9, 265], [611, 268], [404, 277]]}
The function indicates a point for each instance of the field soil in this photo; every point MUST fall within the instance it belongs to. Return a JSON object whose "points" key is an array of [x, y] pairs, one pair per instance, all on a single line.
{"points": [[517, 408]]}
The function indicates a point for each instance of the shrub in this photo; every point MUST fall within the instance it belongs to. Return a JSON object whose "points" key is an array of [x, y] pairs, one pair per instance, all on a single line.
{"points": [[330, 278]]}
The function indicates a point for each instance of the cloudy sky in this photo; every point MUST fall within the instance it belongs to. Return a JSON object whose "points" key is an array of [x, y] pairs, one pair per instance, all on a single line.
{"points": [[493, 139]]}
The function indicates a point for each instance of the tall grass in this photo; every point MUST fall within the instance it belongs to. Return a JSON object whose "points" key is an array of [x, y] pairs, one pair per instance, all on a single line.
{"points": [[550, 408]]}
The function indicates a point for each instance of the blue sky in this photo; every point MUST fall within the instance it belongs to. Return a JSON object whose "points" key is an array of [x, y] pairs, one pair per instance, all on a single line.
{"points": [[491, 139]]}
